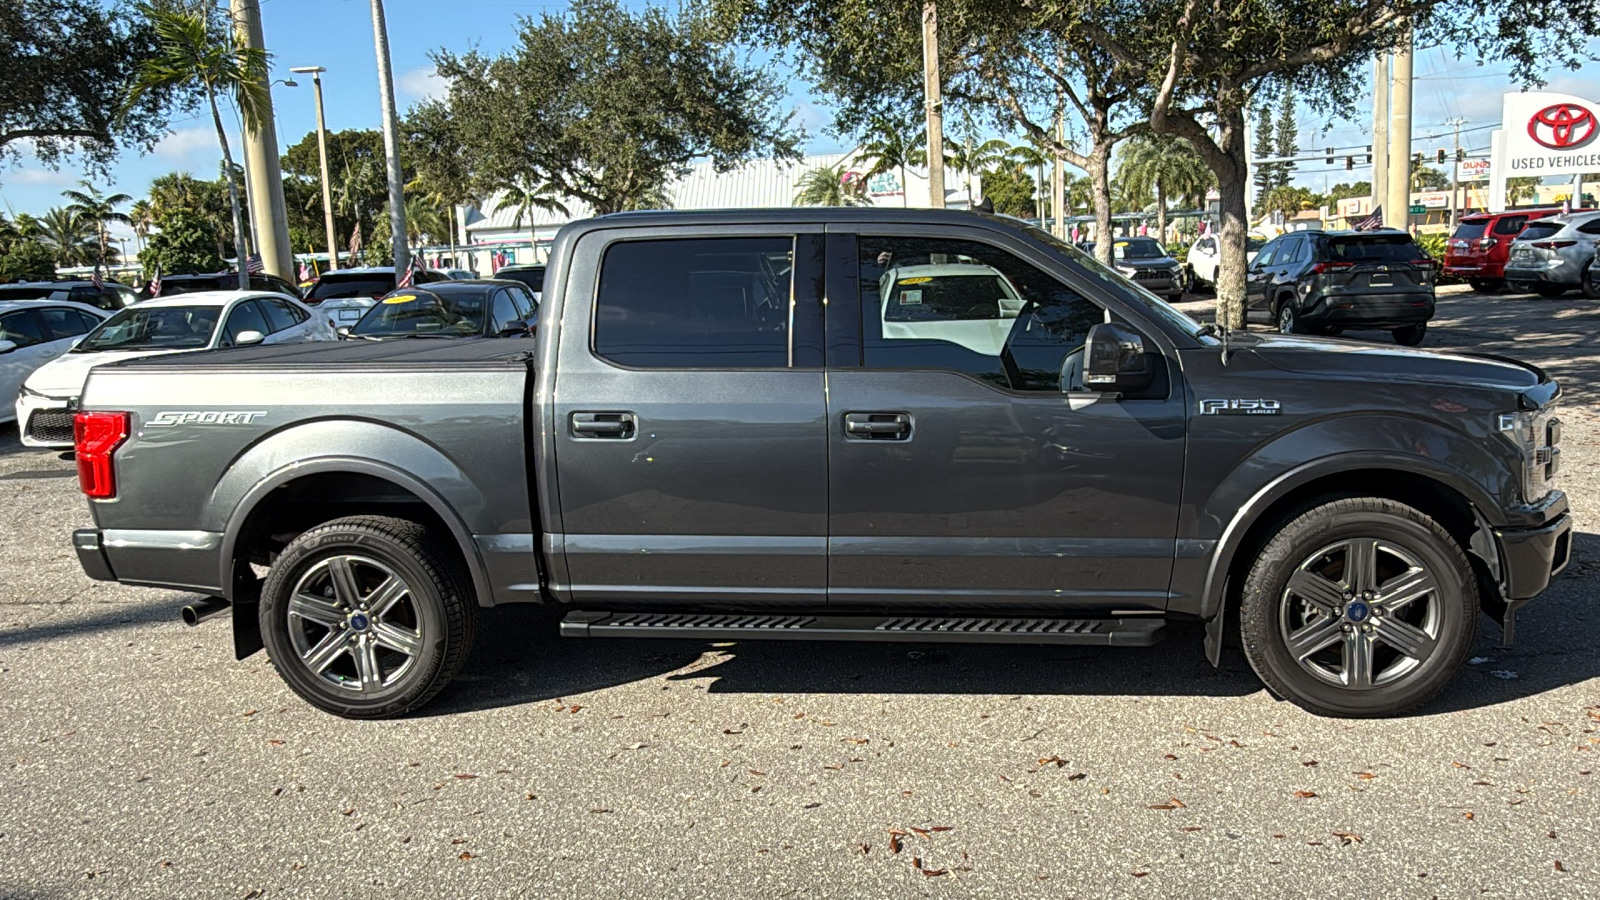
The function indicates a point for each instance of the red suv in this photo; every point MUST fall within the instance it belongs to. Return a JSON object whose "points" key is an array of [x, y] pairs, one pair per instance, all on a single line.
{"points": [[1478, 248]]}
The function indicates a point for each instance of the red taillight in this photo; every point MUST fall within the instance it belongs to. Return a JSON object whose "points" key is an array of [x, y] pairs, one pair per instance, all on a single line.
{"points": [[1553, 245], [1486, 243], [1319, 268], [96, 436]]}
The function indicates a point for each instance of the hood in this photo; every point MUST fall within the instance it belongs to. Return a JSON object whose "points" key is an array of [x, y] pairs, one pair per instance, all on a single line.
{"points": [[1378, 362], [65, 375]]}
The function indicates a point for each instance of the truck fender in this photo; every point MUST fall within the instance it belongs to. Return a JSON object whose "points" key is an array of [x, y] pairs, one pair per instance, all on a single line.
{"points": [[1214, 594], [406, 461]]}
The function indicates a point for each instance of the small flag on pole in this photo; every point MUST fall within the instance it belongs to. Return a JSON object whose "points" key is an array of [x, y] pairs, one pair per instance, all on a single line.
{"points": [[95, 278], [1370, 222], [155, 282], [410, 276], [253, 264]]}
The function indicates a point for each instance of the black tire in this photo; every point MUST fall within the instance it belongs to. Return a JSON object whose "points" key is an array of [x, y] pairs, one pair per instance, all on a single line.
{"points": [[1591, 285], [1288, 318], [434, 616], [1271, 610], [1333, 330], [1411, 335], [1519, 287], [1550, 290], [1486, 285]]}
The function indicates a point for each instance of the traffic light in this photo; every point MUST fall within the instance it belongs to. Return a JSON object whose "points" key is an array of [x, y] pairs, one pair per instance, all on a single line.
{"points": [[1330, 156], [1349, 163], [1369, 154], [1461, 154], [1416, 159]]}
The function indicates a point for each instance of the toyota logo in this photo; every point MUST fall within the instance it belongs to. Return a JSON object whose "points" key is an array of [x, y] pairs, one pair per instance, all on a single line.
{"points": [[1563, 126]]}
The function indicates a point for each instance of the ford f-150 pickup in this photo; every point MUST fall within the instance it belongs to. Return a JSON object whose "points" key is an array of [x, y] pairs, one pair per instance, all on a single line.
{"points": [[884, 425]]}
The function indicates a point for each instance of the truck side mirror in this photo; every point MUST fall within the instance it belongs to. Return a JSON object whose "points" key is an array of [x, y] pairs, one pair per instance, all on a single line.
{"points": [[1117, 362]]}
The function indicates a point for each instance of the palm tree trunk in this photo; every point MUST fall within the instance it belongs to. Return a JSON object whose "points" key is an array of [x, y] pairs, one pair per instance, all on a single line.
{"points": [[1161, 211], [905, 189], [233, 193]]}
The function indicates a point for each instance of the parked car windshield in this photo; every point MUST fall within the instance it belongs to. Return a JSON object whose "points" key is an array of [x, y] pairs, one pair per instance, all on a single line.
{"points": [[1537, 230], [154, 328], [1373, 248], [451, 314], [334, 285], [1138, 248], [1471, 231]]}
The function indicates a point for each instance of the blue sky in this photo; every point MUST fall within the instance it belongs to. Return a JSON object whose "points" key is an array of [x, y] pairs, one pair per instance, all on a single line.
{"points": [[337, 34]]}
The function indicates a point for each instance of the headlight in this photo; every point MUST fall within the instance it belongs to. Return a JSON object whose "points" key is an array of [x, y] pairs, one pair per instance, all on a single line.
{"points": [[1537, 435]]}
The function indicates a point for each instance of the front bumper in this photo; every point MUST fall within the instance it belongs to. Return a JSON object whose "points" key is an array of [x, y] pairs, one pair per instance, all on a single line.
{"points": [[1162, 286], [1533, 556], [45, 422]]}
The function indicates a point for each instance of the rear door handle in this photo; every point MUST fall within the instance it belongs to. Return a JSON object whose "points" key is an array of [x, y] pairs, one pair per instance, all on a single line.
{"points": [[603, 424], [877, 426]]}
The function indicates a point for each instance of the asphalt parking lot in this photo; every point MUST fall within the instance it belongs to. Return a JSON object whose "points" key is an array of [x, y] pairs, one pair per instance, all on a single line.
{"points": [[143, 761]]}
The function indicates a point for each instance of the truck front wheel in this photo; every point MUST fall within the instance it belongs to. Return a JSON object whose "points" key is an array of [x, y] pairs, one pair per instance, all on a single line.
{"points": [[368, 617], [1360, 607]]}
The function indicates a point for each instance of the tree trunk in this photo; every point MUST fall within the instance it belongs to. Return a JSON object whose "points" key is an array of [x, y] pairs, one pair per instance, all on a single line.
{"points": [[1161, 211], [1099, 166], [233, 193], [1235, 225]]}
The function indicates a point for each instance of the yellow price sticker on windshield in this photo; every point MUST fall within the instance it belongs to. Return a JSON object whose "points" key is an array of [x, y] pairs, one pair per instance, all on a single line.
{"points": [[915, 280], [400, 298]]}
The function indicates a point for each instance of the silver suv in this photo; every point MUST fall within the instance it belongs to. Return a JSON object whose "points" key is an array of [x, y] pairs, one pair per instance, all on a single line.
{"points": [[1551, 255]]}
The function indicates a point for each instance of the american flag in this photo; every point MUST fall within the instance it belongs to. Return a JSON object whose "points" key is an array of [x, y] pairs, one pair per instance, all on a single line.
{"points": [[1370, 222], [355, 240], [155, 282], [409, 277], [253, 264], [95, 278], [305, 271]]}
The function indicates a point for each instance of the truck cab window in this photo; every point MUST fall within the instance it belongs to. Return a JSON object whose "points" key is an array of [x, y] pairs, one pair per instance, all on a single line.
{"points": [[705, 303], [943, 304]]}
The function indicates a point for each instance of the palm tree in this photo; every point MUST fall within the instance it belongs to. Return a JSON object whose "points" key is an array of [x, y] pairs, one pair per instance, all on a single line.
{"points": [[143, 216], [827, 186], [1027, 156], [890, 148], [1518, 190], [525, 197], [93, 207], [68, 235], [199, 52], [1166, 165]]}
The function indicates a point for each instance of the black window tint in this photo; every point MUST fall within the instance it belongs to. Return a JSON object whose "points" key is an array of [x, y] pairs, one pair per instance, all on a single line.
{"points": [[22, 328], [66, 323], [337, 287], [1292, 251], [699, 303], [522, 298], [1470, 231], [503, 313], [245, 317], [278, 315], [91, 296], [943, 304], [1590, 227], [1511, 225], [1538, 230], [1380, 248]]}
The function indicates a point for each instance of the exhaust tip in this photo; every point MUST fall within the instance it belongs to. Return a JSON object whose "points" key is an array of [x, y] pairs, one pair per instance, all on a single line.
{"points": [[199, 612]]}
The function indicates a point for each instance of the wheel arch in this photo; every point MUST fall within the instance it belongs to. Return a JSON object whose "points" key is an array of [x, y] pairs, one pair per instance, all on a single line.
{"points": [[1450, 500]]}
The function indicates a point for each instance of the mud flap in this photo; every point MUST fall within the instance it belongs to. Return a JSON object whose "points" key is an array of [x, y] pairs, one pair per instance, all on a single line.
{"points": [[246, 598]]}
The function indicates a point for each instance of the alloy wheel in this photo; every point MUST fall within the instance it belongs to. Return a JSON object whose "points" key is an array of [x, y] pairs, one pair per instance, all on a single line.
{"points": [[354, 623]]}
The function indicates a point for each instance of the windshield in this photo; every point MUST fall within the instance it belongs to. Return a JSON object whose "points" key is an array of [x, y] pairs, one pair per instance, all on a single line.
{"points": [[333, 287], [1137, 248], [1157, 307], [154, 328], [1470, 231], [424, 312], [944, 296]]}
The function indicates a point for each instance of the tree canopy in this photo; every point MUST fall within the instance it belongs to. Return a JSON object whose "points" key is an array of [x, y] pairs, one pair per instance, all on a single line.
{"points": [[609, 105]]}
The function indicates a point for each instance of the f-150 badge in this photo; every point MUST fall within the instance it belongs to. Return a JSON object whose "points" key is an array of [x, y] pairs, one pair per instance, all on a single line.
{"points": [[169, 419], [1240, 408]]}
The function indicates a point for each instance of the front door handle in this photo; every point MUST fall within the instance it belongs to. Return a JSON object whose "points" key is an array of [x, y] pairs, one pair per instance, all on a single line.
{"points": [[877, 426], [603, 424]]}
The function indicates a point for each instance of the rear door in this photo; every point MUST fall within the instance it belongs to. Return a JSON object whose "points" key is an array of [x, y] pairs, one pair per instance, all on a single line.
{"points": [[34, 345], [968, 467], [690, 440], [1258, 274]]}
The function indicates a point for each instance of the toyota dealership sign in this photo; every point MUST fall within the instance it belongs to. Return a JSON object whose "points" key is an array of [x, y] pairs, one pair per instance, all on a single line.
{"points": [[1541, 134]]}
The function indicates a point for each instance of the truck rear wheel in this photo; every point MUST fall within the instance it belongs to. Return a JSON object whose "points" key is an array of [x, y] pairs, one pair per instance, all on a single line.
{"points": [[1361, 607], [368, 617]]}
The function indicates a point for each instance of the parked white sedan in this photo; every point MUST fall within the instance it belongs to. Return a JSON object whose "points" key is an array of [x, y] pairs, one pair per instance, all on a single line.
{"points": [[206, 320], [34, 332], [1205, 258]]}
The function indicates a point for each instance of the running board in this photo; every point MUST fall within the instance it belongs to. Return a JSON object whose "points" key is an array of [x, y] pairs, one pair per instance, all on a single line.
{"points": [[922, 629]]}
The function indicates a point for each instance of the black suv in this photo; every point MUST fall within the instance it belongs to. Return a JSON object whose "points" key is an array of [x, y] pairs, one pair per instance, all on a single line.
{"points": [[1315, 282], [109, 296], [172, 285]]}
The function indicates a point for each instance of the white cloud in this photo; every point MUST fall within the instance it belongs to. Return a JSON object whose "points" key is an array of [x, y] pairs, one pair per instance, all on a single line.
{"points": [[422, 84], [186, 143], [41, 176]]}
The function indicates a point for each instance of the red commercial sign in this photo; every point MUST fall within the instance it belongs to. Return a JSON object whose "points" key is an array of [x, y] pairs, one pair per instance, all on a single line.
{"points": [[1562, 126]]}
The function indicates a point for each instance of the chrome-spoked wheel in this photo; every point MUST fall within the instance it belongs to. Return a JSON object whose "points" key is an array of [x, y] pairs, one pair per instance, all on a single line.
{"points": [[354, 624], [1360, 613]]}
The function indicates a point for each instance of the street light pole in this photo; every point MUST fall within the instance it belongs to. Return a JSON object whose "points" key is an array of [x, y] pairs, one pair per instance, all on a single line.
{"points": [[391, 143], [322, 152]]}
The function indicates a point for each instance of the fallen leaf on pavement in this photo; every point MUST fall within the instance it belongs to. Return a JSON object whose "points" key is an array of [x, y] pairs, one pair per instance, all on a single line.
{"points": [[466, 855], [895, 835], [1052, 759], [1304, 795], [1347, 837], [1460, 765], [1365, 776], [1560, 867], [1172, 803], [465, 776]]}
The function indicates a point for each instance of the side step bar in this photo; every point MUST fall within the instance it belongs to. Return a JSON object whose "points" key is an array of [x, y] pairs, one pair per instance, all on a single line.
{"points": [[940, 629]]}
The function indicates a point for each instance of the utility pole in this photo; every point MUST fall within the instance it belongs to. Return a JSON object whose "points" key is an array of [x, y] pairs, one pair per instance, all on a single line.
{"points": [[263, 175], [1455, 173], [1380, 132], [933, 96], [391, 144], [1397, 214], [322, 155]]}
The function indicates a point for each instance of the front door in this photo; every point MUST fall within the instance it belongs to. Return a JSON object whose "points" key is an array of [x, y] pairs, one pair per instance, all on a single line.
{"points": [[690, 444], [968, 467]]}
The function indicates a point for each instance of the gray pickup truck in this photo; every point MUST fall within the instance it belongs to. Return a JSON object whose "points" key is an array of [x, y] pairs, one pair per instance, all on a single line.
{"points": [[882, 425]]}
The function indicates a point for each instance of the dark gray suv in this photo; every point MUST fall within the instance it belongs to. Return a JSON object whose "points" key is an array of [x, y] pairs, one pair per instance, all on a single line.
{"points": [[1315, 282]]}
